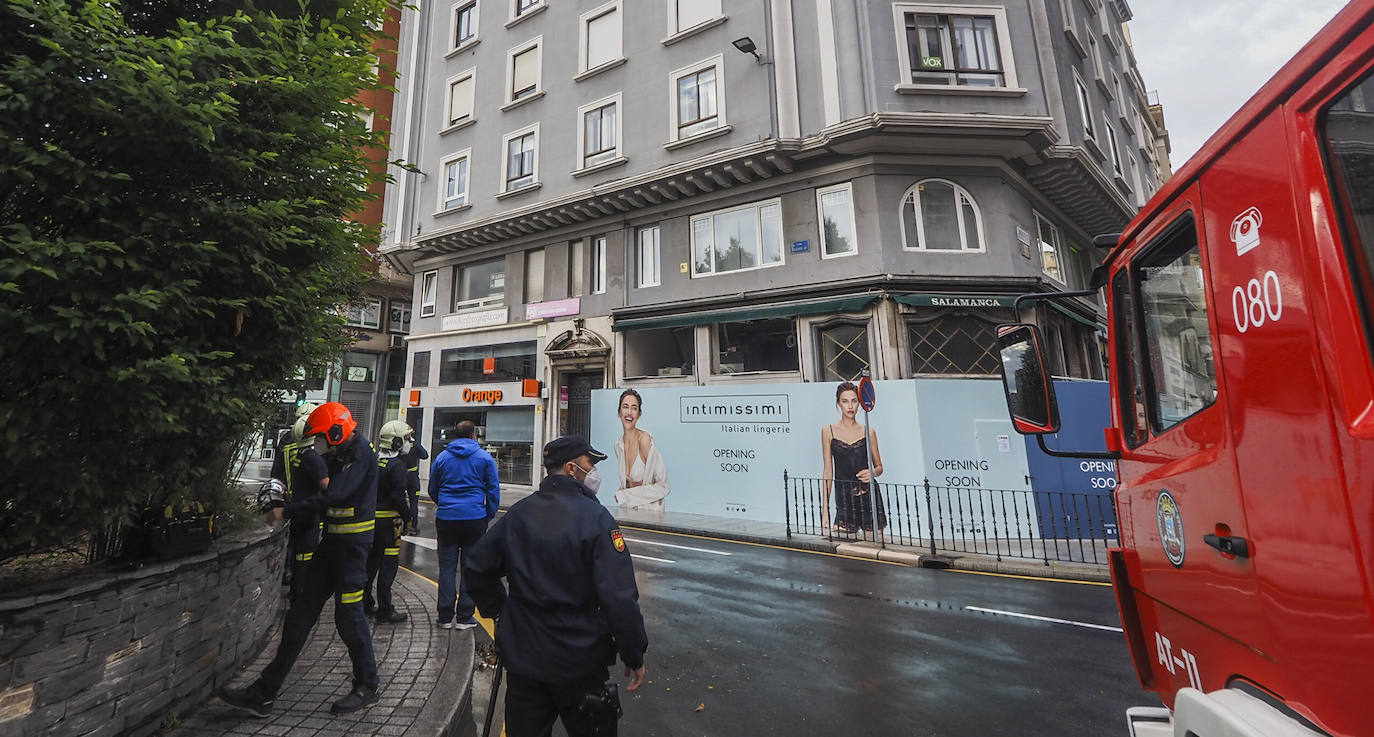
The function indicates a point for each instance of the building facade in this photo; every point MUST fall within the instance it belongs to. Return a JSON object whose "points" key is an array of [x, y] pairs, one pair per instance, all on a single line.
{"points": [[734, 192]]}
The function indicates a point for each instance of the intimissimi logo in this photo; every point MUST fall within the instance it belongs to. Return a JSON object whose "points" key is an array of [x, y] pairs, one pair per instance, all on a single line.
{"points": [[756, 408]]}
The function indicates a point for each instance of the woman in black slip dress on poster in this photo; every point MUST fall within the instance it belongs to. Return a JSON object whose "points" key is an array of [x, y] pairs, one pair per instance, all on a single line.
{"points": [[845, 450]]}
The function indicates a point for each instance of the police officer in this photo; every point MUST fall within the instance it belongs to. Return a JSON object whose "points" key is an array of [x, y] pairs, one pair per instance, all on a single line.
{"points": [[573, 603], [393, 517], [339, 569], [413, 456]]}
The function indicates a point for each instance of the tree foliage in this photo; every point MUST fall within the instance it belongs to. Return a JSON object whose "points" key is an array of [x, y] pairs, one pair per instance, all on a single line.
{"points": [[175, 178]]}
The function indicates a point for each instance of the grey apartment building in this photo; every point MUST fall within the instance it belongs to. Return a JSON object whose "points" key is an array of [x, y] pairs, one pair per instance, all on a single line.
{"points": [[641, 193]]}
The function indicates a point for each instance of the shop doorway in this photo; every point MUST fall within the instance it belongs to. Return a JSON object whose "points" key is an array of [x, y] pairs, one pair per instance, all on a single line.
{"points": [[577, 416]]}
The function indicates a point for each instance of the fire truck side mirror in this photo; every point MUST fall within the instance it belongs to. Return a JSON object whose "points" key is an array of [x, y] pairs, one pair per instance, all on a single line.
{"points": [[1026, 380]]}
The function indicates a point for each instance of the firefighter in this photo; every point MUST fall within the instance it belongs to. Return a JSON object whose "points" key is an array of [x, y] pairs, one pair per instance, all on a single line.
{"points": [[339, 568], [393, 518], [307, 474], [573, 604], [413, 455]]}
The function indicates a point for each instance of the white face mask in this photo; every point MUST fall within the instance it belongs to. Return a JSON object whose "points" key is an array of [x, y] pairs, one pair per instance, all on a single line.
{"points": [[593, 480], [321, 445], [405, 447]]}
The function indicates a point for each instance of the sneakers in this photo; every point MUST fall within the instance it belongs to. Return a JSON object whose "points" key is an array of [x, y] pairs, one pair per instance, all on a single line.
{"points": [[356, 699], [250, 699], [392, 617], [444, 624], [465, 624]]}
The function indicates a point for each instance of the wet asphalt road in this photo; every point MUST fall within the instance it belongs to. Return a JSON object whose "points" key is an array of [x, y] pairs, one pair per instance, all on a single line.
{"points": [[751, 640]]}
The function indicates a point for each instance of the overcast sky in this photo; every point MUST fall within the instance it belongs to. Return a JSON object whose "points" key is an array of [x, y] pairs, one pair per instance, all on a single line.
{"points": [[1205, 58]]}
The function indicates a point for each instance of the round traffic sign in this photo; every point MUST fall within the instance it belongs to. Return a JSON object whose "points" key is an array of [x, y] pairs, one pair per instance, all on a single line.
{"points": [[868, 397]]}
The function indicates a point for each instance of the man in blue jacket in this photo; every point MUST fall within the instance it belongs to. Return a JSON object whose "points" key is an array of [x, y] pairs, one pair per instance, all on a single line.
{"points": [[465, 488]]}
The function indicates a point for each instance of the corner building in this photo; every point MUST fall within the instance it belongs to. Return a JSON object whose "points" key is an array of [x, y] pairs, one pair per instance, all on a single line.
{"points": [[643, 193]]}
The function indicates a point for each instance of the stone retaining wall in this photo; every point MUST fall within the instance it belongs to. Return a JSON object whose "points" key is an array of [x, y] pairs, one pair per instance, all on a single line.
{"points": [[120, 653]]}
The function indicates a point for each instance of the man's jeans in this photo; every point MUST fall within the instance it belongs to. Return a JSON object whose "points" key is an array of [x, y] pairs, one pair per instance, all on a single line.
{"points": [[454, 536]]}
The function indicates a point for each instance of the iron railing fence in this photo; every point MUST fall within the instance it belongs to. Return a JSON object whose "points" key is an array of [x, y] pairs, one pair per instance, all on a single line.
{"points": [[1011, 523]]}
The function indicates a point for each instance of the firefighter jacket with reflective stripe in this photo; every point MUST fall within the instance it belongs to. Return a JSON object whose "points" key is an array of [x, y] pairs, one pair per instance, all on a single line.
{"points": [[392, 499], [348, 505]]}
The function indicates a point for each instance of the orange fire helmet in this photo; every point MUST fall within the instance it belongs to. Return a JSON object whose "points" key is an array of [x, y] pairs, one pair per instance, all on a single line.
{"points": [[333, 421]]}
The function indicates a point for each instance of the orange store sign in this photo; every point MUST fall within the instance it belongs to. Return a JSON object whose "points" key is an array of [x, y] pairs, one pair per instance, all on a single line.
{"points": [[489, 396]]}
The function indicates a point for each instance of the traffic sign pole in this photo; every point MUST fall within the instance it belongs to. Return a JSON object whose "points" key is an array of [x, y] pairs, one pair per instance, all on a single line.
{"points": [[868, 398]]}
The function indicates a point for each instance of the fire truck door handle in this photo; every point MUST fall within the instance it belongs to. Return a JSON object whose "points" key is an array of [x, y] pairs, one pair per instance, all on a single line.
{"points": [[1230, 545]]}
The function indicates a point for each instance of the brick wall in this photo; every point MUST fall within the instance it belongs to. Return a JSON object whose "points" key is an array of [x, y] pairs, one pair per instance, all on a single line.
{"points": [[115, 654]]}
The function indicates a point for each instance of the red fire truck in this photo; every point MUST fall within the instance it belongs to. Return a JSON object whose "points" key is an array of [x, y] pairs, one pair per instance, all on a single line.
{"points": [[1241, 316]]}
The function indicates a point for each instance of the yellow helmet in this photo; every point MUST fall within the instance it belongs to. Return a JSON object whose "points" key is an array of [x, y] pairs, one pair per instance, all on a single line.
{"points": [[394, 435]]}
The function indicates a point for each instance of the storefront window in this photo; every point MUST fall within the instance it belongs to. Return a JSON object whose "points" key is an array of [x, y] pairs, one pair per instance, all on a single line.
{"points": [[955, 342], [511, 362], [507, 433], [660, 352], [844, 351], [756, 345], [360, 367]]}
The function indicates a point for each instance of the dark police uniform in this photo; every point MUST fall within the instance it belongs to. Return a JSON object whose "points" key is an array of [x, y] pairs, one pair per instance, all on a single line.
{"points": [[572, 607], [339, 568], [393, 515], [416, 454]]}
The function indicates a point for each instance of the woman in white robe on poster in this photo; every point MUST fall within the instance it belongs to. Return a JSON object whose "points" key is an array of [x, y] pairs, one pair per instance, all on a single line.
{"points": [[643, 477]]}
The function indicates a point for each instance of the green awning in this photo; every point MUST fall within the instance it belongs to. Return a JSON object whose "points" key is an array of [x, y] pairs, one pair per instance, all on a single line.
{"points": [[852, 303], [1066, 312], [957, 300]]}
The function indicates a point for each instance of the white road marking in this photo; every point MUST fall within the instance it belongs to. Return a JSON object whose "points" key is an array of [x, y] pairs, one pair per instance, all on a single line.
{"points": [[1044, 619], [670, 545], [656, 560], [427, 543]]}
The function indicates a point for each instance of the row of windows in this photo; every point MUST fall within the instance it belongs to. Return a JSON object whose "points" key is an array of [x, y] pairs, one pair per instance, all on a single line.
{"points": [[936, 215], [600, 27], [939, 342], [368, 314]]}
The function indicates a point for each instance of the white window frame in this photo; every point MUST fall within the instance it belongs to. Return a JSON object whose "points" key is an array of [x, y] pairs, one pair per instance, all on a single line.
{"points": [[617, 155], [1010, 84], [675, 31], [536, 43], [853, 221], [449, 124], [465, 194], [757, 207], [429, 297], [913, 193], [517, 15], [505, 158], [403, 328], [656, 278], [361, 322], [455, 46], [583, 23], [1114, 155], [716, 62], [599, 265], [1057, 245], [1084, 105]]}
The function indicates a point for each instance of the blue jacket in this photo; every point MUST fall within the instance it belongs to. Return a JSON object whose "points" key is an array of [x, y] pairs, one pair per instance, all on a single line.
{"points": [[463, 482]]}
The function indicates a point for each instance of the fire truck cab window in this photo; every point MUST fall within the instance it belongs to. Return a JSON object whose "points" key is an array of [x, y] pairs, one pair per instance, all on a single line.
{"points": [[1348, 130], [1172, 303]]}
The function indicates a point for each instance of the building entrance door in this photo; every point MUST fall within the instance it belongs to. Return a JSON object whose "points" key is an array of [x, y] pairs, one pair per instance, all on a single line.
{"points": [[577, 416]]}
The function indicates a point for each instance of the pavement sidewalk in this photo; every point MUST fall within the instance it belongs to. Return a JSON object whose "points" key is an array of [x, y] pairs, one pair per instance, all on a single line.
{"points": [[425, 680], [774, 533]]}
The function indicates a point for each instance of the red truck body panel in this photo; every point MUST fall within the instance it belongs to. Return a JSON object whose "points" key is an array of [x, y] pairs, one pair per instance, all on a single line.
{"points": [[1280, 454]]}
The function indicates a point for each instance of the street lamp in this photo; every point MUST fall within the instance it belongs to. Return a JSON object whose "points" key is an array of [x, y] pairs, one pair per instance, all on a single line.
{"points": [[746, 45]]}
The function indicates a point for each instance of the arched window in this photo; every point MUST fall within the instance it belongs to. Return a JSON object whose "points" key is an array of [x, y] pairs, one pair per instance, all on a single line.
{"points": [[939, 215]]}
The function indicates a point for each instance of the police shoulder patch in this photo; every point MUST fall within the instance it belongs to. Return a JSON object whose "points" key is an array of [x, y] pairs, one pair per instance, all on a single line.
{"points": [[618, 540]]}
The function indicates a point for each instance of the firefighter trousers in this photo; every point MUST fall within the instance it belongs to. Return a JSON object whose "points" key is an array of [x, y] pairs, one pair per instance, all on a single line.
{"points": [[338, 570], [302, 539], [383, 561]]}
